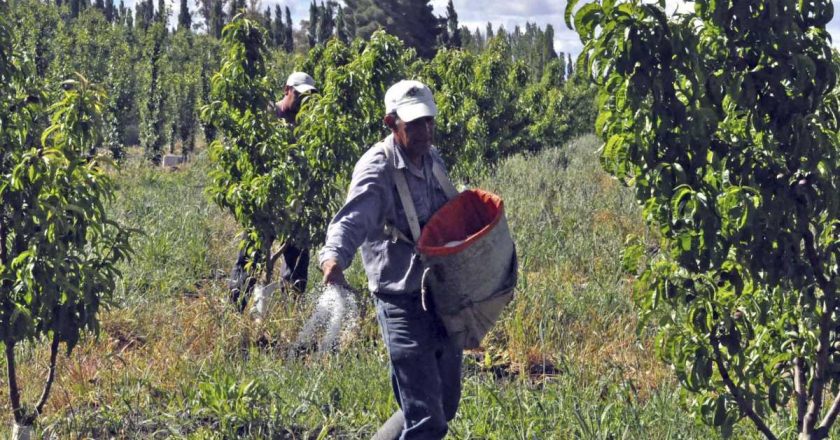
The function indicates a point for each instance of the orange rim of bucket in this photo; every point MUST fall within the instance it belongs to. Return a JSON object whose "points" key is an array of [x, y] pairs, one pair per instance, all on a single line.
{"points": [[493, 205]]}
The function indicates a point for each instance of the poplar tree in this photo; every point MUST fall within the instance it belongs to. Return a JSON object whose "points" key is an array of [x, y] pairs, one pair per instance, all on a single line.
{"points": [[162, 12], [479, 39], [75, 8], [289, 41], [544, 49], [279, 33], [145, 14], [312, 30], [109, 11], [326, 22], [184, 16], [236, 6], [269, 29], [570, 65], [341, 26], [467, 38], [452, 26], [205, 9], [413, 21], [152, 117], [217, 19], [561, 59]]}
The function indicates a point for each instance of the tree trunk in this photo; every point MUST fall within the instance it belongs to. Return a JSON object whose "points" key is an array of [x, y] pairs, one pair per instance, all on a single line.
{"points": [[39, 408], [14, 393], [269, 262], [4, 236], [799, 386], [809, 429], [272, 261]]}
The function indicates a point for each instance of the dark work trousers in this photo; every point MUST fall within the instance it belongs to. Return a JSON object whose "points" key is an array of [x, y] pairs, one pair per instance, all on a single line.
{"points": [[295, 272], [296, 269], [425, 365], [239, 283]]}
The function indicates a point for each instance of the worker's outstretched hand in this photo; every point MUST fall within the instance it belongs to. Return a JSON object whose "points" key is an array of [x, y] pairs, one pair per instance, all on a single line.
{"points": [[333, 273]]}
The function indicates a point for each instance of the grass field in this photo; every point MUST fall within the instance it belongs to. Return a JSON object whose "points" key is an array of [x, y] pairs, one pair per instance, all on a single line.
{"points": [[174, 359]]}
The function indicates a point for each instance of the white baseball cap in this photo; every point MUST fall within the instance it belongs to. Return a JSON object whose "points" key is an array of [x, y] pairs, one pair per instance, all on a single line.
{"points": [[301, 82], [410, 100]]}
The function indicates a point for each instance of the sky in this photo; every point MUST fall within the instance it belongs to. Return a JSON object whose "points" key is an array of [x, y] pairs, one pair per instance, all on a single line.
{"points": [[508, 13]]}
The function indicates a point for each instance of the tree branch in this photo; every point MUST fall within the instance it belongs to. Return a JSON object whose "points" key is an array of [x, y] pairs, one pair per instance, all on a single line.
{"points": [[743, 405], [4, 236], [799, 384], [279, 252], [39, 408], [816, 264], [829, 418]]}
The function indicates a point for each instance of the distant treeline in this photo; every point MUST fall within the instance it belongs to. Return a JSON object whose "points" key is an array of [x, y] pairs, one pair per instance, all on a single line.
{"points": [[157, 76]]}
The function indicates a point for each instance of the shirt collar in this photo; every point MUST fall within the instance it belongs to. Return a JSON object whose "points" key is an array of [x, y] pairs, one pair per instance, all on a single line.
{"points": [[401, 162]]}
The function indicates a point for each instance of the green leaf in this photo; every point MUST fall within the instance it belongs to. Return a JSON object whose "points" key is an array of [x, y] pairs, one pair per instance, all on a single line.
{"points": [[720, 411], [632, 254], [567, 15], [586, 18]]}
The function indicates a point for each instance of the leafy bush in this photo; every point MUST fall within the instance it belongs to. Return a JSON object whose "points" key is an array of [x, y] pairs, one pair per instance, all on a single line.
{"points": [[725, 120], [58, 246]]}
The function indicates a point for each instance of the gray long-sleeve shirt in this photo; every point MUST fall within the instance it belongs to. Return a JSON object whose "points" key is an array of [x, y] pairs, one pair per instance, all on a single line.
{"points": [[372, 201]]}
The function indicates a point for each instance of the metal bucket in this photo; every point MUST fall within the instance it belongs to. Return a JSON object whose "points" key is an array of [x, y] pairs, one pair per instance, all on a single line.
{"points": [[22, 432], [471, 267]]}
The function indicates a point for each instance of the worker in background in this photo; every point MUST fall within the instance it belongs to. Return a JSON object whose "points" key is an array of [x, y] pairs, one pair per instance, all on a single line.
{"points": [[296, 260]]}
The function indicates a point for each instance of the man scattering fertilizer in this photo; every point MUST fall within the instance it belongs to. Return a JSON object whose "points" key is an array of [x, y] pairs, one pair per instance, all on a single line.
{"points": [[425, 361]]}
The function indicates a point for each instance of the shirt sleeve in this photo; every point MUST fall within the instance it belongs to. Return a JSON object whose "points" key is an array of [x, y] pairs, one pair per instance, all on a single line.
{"points": [[362, 214]]}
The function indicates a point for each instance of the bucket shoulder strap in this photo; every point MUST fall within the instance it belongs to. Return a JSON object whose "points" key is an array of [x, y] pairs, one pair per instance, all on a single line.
{"points": [[405, 193], [443, 180]]}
